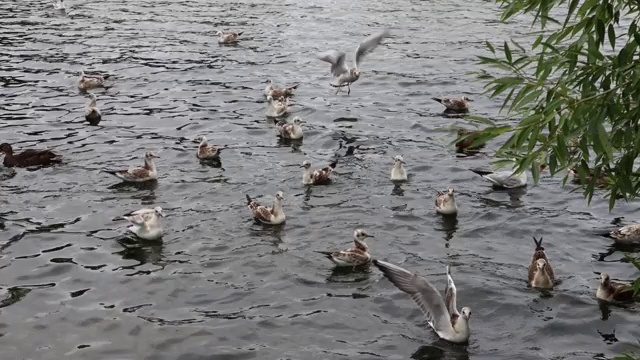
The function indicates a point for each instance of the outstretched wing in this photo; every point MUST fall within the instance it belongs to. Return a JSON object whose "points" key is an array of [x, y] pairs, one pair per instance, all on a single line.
{"points": [[368, 44], [450, 295], [337, 61], [422, 292]]}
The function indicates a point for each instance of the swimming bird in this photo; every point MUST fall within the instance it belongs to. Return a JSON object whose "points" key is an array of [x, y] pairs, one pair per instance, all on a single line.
{"points": [[319, 176], [30, 157], [228, 37], [270, 215], [626, 234], [454, 104], [446, 202], [59, 5], [277, 107], [355, 256], [398, 172], [92, 113], [614, 291], [86, 82], [208, 152], [575, 174], [466, 145], [291, 131], [337, 59], [138, 174], [540, 270], [276, 92], [146, 223], [442, 315], [503, 179]]}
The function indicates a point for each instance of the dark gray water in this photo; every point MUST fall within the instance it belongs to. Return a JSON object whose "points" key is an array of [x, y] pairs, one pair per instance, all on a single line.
{"points": [[220, 286]]}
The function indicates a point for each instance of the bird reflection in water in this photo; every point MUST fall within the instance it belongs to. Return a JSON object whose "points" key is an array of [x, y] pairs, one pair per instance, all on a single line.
{"points": [[515, 198], [212, 163], [295, 145], [397, 190], [271, 233], [449, 224], [143, 251], [346, 274], [441, 350]]}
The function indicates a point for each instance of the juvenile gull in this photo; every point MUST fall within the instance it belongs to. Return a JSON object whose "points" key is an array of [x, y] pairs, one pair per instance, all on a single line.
{"points": [[30, 157], [540, 270], [626, 234], [319, 176], [446, 202], [503, 179], [291, 131], [442, 315], [355, 256], [86, 82], [455, 104], [146, 223], [398, 172], [276, 92], [270, 215], [228, 37], [138, 174], [208, 152], [337, 59], [92, 113], [614, 291], [277, 107]]}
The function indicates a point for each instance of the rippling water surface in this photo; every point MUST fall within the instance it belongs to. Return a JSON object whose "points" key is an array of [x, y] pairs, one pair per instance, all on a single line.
{"points": [[221, 287]]}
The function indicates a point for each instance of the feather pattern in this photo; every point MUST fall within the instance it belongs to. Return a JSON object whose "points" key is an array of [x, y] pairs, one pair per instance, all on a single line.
{"points": [[319, 176], [540, 270], [271, 215], [228, 37], [628, 233], [138, 174], [455, 104], [86, 81], [355, 256], [291, 131], [614, 291]]}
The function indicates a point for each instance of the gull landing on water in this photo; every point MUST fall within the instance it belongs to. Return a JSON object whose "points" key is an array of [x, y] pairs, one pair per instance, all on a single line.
{"points": [[146, 223], [337, 59], [442, 315], [355, 256], [276, 92], [208, 152], [228, 37], [269, 215], [319, 176], [291, 131], [540, 271], [92, 113], [277, 107], [455, 104], [614, 291], [398, 172], [138, 174], [446, 202]]}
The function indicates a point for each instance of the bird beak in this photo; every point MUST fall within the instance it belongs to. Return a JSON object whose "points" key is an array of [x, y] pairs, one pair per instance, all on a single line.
{"points": [[367, 235], [301, 165]]}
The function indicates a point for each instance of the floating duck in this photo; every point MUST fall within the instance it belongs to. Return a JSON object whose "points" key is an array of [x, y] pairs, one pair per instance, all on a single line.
{"points": [[614, 291], [503, 179], [291, 131], [146, 223], [138, 174], [86, 82], [277, 107], [228, 37], [355, 256], [208, 152], [442, 315], [92, 114], [466, 145], [319, 176], [455, 104], [446, 202], [398, 172], [339, 68], [540, 271], [269, 215], [276, 93], [30, 157]]}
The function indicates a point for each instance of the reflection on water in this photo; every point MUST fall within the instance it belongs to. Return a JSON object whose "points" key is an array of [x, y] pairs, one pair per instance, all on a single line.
{"points": [[346, 274], [441, 350], [142, 251]]}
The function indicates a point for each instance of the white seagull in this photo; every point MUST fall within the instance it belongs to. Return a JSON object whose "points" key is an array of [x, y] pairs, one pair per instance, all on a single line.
{"points": [[446, 202], [270, 215], [442, 315], [337, 59], [503, 179], [146, 223], [398, 172]]}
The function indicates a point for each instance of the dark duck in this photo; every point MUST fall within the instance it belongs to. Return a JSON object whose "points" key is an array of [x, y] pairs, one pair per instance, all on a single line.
{"points": [[31, 157]]}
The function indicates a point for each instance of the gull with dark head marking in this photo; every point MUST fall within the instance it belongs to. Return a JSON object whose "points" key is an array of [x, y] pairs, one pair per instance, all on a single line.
{"points": [[355, 256], [291, 131], [92, 113], [455, 104], [269, 215], [442, 315], [398, 172], [277, 107], [276, 92], [446, 202], [346, 76], [540, 270], [206, 151], [138, 174], [146, 223], [611, 291], [228, 37], [318, 176]]}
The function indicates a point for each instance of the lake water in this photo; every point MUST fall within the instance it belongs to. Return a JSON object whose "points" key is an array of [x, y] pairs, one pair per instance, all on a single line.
{"points": [[220, 286]]}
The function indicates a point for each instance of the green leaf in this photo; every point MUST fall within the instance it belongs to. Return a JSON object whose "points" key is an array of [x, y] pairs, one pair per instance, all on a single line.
{"points": [[612, 36], [507, 52]]}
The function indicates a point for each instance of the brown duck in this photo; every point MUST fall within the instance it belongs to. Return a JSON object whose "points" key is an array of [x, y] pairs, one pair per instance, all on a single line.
{"points": [[465, 145], [31, 157]]}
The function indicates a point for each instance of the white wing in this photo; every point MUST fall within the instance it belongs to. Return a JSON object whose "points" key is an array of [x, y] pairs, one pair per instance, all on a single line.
{"points": [[337, 61], [507, 179], [450, 295], [135, 219], [141, 211], [422, 292], [368, 44]]}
